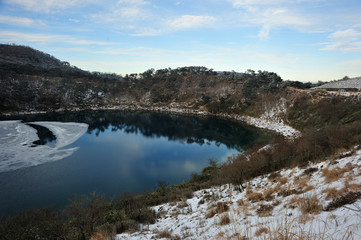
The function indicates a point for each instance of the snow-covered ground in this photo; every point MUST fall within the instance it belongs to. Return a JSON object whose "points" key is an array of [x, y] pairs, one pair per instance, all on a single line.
{"points": [[276, 126], [293, 204], [18, 151]]}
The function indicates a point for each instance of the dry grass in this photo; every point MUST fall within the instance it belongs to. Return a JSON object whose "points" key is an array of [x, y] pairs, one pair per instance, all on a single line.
{"points": [[224, 219], [309, 205], [245, 209], [267, 195], [332, 193], [302, 182], [277, 188], [351, 186], [211, 212], [219, 208], [98, 236], [308, 188], [333, 174], [254, 196], [261, 231], [283, 180], [240, 202], [167, 234], [265, 210], [222, 207], [294, 200]]}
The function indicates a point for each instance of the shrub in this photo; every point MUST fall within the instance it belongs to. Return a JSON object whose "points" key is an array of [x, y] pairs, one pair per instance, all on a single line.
{"points": [[261, 231], [349, 198], [264, 210], [222, 207], [309, 205], [254, 196], [333, 174], [224, 220]]}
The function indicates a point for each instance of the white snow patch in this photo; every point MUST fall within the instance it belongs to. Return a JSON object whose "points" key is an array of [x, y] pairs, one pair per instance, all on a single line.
{"points": [[186, 220], [278, 127], [18, 151]]}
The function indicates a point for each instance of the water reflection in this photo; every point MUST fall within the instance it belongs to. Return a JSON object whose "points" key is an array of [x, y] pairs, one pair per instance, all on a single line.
{"points": [[175, 127], [123, 152]]}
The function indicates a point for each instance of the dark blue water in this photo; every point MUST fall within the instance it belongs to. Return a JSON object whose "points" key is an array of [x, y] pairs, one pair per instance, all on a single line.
{"points": [[123, 152]]}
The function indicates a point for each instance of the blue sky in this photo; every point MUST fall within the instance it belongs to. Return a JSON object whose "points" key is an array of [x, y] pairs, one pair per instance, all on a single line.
{"points": [[304, 40]]}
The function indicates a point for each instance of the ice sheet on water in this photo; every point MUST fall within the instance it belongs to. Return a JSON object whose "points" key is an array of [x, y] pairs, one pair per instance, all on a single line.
{"points": [[17, 149]]}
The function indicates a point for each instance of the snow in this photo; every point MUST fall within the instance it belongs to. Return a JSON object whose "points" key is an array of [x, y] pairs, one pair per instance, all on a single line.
{"points": [[187, 219], [342, 84], [278, 127], [18, 151]]}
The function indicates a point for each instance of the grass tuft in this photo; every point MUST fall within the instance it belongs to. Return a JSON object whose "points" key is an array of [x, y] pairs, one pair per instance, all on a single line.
{"points": [[309, 205]]}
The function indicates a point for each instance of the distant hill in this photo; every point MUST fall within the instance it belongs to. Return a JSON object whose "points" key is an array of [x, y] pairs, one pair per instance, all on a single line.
{"points": [[23, 55], [31, 80], [344, 84]]}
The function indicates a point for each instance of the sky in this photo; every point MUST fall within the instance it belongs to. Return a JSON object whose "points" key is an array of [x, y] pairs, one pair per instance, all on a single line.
{"points": [[300, 40]]}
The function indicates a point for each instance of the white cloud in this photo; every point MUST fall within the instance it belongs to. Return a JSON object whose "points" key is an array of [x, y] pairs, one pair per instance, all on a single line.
{"points": [[271, 14], [47, 5], [191, 21], [264, 32], [346, 40], [247, 3], [73, 20], [17, 37], [20, 21], [133, 2], [125, 14]]}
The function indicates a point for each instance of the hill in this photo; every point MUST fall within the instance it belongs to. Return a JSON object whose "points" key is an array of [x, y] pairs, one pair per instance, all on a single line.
{"points": [[23, 55], [353, 84], [34, 81]]}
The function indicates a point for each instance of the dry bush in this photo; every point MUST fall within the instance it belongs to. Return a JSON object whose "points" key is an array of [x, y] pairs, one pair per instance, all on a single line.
{"points": [[245, 209], [310, 170], [211, 212], [349, 198], [333, 174], [351, 186], [267, 195], [224, 219], [182, 204], [254, 196], [273, 176], [309, 205], [240, 202], [308, 188], [261, 231], [294, 200], [164, 234], [277, 188], [283, 180], [265, 210], [302, 184], [222, 207], [331, 193], [98, 236]]}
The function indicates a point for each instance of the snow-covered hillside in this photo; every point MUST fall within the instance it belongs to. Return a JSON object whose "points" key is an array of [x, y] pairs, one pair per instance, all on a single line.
{"points": [[320, 201]]}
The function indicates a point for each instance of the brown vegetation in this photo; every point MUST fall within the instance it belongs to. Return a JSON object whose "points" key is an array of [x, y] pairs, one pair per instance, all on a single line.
{"points": [[224, 219], [309, 205], [261, 231], [333, 174]]}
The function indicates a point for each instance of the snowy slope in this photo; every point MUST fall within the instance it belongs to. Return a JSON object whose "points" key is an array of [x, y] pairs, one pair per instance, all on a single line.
{"points": [[294, 203]]}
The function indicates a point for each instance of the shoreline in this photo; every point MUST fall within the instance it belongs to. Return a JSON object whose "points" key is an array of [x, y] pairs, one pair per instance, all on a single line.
{"points": [[277, 127]]}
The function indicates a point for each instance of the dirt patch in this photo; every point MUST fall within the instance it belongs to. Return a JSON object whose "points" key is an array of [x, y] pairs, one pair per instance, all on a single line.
{"points": [[349, 198]]}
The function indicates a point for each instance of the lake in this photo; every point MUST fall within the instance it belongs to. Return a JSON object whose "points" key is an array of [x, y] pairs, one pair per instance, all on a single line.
{"points": [[45, 159]]}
